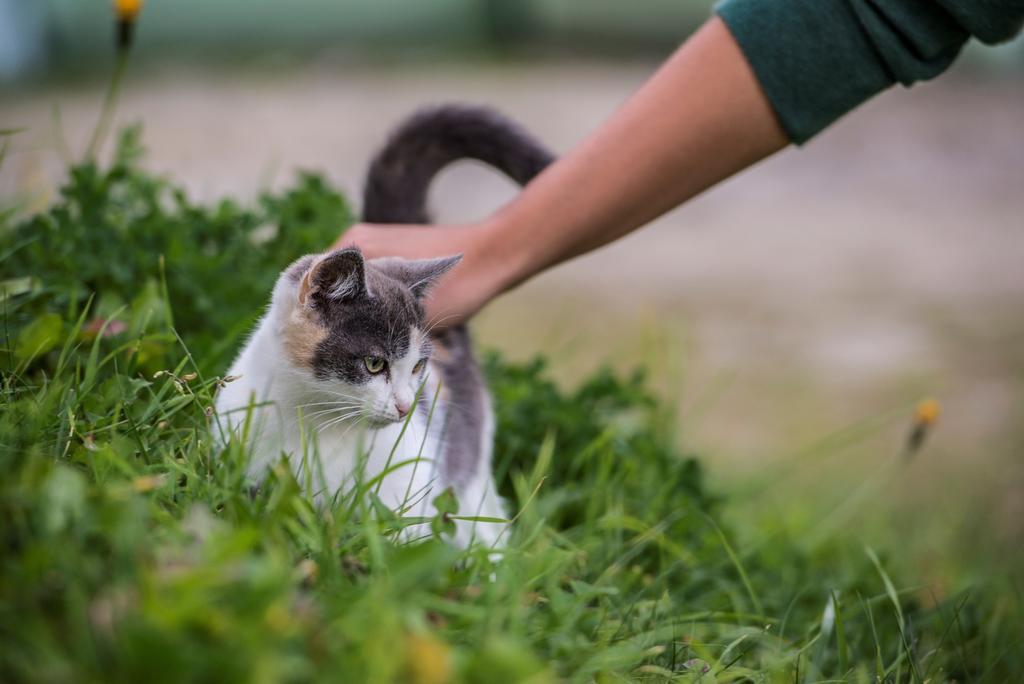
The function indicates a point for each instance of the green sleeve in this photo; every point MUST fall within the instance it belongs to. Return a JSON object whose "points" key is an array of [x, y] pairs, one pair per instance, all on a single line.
{"points": [[818, 59]]}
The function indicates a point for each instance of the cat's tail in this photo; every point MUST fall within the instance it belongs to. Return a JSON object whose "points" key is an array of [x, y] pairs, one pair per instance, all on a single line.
{"points": [[400, 174]]}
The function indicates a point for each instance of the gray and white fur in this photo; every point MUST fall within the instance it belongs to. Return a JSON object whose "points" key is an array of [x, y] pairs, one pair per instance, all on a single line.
{"points": [[331, 374]]}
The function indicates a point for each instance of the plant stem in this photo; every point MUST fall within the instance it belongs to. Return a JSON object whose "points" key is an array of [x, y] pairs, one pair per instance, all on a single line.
{"points": [[99, 133]]}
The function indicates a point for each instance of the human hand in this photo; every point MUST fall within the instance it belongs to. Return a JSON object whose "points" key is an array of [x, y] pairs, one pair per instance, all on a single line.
{"points": [[480, 276]]}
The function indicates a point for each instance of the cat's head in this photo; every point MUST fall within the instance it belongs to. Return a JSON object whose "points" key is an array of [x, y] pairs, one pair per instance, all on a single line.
{"points": [[353, 329]]}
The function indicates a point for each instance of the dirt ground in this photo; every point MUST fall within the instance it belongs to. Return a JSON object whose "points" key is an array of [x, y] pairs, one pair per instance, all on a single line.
{"points": [[841, 282]]}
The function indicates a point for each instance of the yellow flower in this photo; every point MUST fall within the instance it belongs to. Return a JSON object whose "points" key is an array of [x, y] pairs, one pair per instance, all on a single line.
{"points": [[430, 659], [925, 415], [127, 10], [927, 412]]}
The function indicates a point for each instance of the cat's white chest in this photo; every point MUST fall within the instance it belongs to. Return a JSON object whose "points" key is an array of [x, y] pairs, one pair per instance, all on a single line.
{"points": [[398, 463]]}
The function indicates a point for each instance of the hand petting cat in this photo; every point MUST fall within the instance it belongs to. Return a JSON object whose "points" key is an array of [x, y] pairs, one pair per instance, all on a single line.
{"points": [[486, 270]]}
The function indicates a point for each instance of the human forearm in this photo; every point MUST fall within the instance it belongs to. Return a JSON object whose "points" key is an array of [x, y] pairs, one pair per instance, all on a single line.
{"points": [[701, 118]]}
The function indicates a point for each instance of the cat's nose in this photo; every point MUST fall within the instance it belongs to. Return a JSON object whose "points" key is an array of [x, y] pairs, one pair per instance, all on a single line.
{"points": [[403, 409]]}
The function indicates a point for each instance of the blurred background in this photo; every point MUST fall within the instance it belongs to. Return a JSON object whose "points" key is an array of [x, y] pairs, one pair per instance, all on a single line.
{"points": [[795, 314]]}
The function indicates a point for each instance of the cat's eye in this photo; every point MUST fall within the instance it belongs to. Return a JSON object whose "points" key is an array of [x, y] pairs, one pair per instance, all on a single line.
{"points": [[419, 366], [374, 364]]}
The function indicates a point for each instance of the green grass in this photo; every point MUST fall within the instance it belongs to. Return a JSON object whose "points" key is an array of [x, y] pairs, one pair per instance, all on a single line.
{"points": [[133, 549]]}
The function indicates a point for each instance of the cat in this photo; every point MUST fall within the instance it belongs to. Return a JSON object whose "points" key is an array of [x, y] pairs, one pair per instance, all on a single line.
{"points": [[343, 374]]}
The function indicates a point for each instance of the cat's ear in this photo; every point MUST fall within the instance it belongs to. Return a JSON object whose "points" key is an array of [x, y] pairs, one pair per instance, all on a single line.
{"points": [[338, 276], [419, 275]]}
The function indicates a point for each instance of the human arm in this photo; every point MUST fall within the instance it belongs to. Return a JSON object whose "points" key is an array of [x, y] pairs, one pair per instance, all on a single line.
{"points": [[703, 116], [699, 119]]}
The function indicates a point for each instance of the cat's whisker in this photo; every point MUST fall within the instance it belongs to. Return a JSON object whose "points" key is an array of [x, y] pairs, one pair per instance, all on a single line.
{"points": [[351, 407], [337, 393], [325, 392], [336, 421], [436, 322], [338, 412], [314, 404], [351, 411], [331, 404], [329, 425], [341, 415], [317, 421], [328, 406]]}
